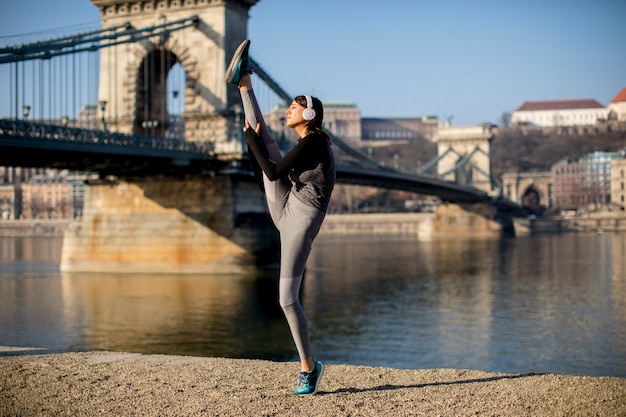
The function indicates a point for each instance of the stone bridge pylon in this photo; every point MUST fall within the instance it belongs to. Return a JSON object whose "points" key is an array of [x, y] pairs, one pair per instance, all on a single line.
{"points": [[178, 224], [133, 75], [464, 155]]}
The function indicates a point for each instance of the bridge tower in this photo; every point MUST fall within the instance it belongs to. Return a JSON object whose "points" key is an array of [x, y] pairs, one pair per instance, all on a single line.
{"points": [[186, 223], [133, 76], [464, 155]]}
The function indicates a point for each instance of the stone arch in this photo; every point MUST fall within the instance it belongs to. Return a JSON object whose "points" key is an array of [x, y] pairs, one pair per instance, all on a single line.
{"points": [[148, 102], [151, 92], [201, 49], [531, 199]]}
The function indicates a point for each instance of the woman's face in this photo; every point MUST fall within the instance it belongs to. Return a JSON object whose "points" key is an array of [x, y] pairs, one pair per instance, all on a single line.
{"points": [[294, 115]]}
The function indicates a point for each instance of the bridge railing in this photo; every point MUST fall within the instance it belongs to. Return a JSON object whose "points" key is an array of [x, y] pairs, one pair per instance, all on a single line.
{"points": [[20, 128]]}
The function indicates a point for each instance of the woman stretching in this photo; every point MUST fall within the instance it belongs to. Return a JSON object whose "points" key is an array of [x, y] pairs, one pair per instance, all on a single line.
{"points": [[297, 190]]}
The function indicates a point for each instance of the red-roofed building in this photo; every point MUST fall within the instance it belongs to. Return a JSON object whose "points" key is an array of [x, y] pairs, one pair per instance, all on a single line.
{"points": [[617, 107], [577, 112]]}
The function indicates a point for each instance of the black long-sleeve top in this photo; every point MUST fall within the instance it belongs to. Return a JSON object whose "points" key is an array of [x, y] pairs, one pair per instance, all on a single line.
{"points": [[310, 166]]}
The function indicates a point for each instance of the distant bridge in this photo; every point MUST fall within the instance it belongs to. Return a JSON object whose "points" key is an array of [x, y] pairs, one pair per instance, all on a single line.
{"points": [[108, 153]]}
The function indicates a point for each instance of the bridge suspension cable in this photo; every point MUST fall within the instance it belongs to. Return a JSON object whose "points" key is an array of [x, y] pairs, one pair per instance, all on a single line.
{"points": [[91, 41], [433, 163], [57, 81]]}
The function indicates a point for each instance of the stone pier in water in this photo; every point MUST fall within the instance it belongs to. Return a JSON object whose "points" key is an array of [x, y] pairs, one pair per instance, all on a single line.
{"points": [[172, 225]]}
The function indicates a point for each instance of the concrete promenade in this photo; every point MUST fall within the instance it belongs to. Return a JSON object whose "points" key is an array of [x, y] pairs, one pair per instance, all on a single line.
{"points": [[39, 383]]}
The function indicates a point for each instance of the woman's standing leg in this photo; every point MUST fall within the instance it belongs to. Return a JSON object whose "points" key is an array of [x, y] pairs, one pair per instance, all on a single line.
{"points": [[298, 227]]}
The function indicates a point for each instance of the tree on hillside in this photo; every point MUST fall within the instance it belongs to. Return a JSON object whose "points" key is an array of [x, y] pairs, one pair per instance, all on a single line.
{"points": [[514, 150], [406, 156], [505, 120]]}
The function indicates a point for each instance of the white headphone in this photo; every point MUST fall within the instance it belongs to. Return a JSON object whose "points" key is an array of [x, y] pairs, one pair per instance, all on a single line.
{"points": [[309, 112]]}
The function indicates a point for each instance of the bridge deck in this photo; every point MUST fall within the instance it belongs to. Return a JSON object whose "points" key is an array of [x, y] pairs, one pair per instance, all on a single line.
{"points": [[39, 145]]}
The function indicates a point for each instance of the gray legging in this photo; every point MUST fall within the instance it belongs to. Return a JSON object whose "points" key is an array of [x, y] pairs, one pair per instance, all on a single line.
{"points": [[298, 225]]}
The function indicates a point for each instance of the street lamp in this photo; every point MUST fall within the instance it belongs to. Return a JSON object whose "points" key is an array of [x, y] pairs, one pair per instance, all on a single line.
{"points": [[65, 120], [103, 106], [26, 110]]}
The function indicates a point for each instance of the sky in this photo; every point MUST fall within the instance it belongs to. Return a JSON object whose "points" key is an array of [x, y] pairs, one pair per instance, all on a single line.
{"points": [[463, 60]]}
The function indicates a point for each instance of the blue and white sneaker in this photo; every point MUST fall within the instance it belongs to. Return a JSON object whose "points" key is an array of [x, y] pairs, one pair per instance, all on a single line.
{"points": [[309, 381], [239, 64]]}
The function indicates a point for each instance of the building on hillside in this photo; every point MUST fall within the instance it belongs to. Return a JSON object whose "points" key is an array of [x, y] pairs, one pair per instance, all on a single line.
{"points": [[559, 113], [343, 119], [617, 107], [384, 131], [584, 182], [618, 183]]}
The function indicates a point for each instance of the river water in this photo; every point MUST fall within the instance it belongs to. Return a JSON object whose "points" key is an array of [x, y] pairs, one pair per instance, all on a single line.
{"points": [[547, 303]]}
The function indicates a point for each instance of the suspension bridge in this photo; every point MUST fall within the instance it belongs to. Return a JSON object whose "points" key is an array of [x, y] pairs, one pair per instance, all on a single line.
{"points": [[141, 100]]}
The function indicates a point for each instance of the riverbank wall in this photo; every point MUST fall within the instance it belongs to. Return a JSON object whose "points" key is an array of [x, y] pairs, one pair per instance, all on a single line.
{"points": [[409, 224], [598, 224], [335, 224], [34, 228], [403, 224], [448, 220]]}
